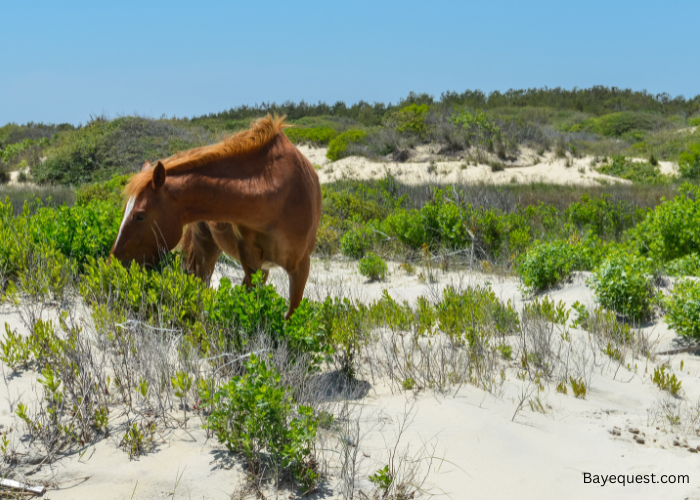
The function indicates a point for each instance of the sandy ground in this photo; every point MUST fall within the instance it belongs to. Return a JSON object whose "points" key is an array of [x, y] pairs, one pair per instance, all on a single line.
{"points": [[428, 166], [488, 452]]}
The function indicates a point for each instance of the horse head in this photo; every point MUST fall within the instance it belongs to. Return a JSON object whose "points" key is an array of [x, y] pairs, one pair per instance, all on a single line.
{"points": [[151, 225]]}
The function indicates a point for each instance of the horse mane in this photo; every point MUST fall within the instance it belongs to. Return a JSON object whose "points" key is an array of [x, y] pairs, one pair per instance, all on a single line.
{"points": [[261, 132]]}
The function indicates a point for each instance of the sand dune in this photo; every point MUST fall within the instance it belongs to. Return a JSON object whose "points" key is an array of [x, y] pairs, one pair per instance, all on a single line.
{"points": [[491, 449], [428, 166]]}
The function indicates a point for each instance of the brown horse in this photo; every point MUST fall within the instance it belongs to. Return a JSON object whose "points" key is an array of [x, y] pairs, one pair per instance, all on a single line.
{"points": [[253, 196]]}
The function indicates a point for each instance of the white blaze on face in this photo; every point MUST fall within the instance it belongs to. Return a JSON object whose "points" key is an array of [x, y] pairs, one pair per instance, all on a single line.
{"points": [[127, 213]]}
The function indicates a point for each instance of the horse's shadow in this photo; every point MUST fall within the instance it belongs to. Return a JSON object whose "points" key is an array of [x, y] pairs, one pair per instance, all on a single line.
{"points": [[335, 386]]}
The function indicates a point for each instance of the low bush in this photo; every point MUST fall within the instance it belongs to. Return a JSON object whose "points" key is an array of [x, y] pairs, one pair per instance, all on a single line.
{"points": [[111, 191], [474, 314], [345, 324], [356, 242], [479, 128], [549, 263], [167, 295], [635, 171], [373, 267], [688, 265], [312, 135], [622, 285], [254, 415], [80, 231], [337, 148], [683, 308], [604, 216], [689, 162], [412, 119], [672, 230], [618, 124]]}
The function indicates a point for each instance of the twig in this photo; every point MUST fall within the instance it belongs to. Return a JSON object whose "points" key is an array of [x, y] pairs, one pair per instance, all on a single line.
{"points": [[9, 483]]}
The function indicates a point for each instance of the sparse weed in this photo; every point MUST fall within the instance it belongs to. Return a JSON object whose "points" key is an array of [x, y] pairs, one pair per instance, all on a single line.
{"points": [[578, 387], [666, 382]]}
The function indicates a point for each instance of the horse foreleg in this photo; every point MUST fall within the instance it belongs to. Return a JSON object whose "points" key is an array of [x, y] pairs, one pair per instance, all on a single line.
{"points": [[201, 250], [297, 283]]}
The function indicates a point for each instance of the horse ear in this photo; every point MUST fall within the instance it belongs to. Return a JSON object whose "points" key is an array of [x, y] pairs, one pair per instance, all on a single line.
{"points": [[158, 176], [146, 166]]}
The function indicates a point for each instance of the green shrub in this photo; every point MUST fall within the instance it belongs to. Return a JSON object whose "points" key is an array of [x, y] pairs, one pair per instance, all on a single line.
{"points": [[688, 265], [373, 267], [79, 232], [314, 135], [635, 171], [603, 216], [353, 206], [254, 415], [111, 191], [672, 230], [474, 314], [694, 121], [407, 227], [345, 324], [171, 296], [387, 312], [328, 235], [412, 119], [689, 162], [683, 308], [547, 264], [548, 310], [337, 148], [480, 130], [618, 124], [355, 242], [621, 285]]}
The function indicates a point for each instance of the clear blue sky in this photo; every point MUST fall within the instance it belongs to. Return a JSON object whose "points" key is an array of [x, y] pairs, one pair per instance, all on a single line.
{"points": [[63, 61]]}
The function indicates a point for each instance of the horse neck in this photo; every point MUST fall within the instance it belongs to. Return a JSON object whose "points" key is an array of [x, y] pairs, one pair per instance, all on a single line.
{"points": [[207, 193]]}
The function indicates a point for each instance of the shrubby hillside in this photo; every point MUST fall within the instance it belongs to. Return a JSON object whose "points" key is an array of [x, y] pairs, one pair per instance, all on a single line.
{"points": [[597, 121]]}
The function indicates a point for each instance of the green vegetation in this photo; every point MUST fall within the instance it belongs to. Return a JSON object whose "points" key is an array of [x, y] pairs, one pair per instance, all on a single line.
{"points": [[635, 171], [621, 285], [373, 267], [619, 124], [252, 414], [547, 264], [314, 135], [103, 148], [338, 147], [683, 308], [666, 382], [689, 162], [578, 387]]}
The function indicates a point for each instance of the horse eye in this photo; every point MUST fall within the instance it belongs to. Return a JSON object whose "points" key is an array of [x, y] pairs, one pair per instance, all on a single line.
{"points": [[140, 217]]}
